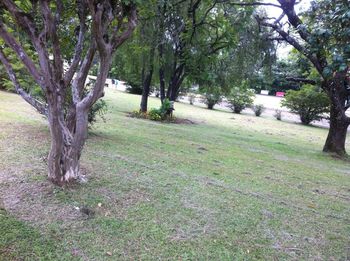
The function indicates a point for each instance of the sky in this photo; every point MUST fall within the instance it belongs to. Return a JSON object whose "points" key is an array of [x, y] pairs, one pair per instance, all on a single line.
{"points": [[283, 50]]}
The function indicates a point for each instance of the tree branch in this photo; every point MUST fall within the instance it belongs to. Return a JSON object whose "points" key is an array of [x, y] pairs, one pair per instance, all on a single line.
{"points": [[302, 80], [118, 40], [22, 55], [78, 48], [51, 30], [40, 107]]}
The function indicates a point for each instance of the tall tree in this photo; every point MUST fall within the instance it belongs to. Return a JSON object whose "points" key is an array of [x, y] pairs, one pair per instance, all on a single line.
{"points": [[101, 27]]}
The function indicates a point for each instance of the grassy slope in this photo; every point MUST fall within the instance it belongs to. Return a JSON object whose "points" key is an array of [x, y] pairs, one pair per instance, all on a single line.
{"points": [[230, 187]]}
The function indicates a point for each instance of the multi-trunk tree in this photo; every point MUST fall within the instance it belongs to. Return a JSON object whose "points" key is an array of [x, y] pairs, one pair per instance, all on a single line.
{"points": [[98, 28]]}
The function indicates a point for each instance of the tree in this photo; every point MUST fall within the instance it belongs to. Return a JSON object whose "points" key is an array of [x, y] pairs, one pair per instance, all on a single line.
{"points": [[322, 37], [101, 27], [309, 103]]}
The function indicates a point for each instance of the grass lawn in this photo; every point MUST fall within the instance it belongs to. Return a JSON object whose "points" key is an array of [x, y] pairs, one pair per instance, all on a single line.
{"points": [[229, 187]]}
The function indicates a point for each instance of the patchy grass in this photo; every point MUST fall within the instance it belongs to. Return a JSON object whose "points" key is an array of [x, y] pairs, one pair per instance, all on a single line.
{"points": [[230, 187]]}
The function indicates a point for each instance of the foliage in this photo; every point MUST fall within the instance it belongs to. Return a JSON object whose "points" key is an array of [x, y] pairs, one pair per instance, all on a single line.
{"points": [[258, 109], [99, 109], [211, 95], [309, 102], [278, 114], [155, 114], [240, 97], [134, 88], [139, 114], [161, 114]]}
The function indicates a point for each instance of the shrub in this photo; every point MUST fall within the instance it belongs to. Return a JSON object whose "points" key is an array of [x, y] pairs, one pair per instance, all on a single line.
{"points": [[211, 99], [258, 109], [309, 103], [163, 113], [211, 96], [154, 115], [99, 109], [240, 98], [134, 88], [278, 114], [139, 114]]}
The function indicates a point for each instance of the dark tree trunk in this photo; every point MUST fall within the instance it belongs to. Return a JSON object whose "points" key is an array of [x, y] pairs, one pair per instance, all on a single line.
{"points": [[336, 138], [146, 84], [161, 19], [175, 82], [162, 83], [339, 122], [210, 106], [335, 142], [145, 91]]}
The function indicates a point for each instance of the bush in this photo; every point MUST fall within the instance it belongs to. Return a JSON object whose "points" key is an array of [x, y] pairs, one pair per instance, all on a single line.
{"points": [[99, 109], [278, 114], [163, 113], [139, 114], [155, 115], [309, 103], [211, 96], [240, 98], [258, 109], [134, 88]]}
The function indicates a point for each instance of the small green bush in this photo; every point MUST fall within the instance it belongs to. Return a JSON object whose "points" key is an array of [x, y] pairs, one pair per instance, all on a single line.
{"points": [[139, 114], [258, 109], [309, 103], [240, 98], [155, 115], [163, 113], [211, 95], [99, 109]]}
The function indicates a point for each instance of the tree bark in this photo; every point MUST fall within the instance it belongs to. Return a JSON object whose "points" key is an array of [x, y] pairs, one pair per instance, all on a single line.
{"points": [[175, 82], [147, 80], [145, 91], [339, 122], [335, 142]]}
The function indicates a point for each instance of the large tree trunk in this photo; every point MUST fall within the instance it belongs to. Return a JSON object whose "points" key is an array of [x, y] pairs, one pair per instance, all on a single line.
{"points": [[335, 142], [66, 146], [175, 82], [339, 122]]}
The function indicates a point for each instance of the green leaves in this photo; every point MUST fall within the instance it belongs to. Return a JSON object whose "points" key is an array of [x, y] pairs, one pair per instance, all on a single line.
{"points": [[309, 103]]}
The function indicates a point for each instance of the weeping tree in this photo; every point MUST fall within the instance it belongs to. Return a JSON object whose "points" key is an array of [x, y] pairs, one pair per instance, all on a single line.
{"points": [[60, 70]]}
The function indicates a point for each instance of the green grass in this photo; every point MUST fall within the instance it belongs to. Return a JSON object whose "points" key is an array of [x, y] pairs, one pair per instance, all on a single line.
{"points": [[230, 187]]}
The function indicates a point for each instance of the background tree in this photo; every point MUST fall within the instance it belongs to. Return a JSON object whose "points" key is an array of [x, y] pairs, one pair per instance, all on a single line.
{"points": [[101, 27], [322, 37]]}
